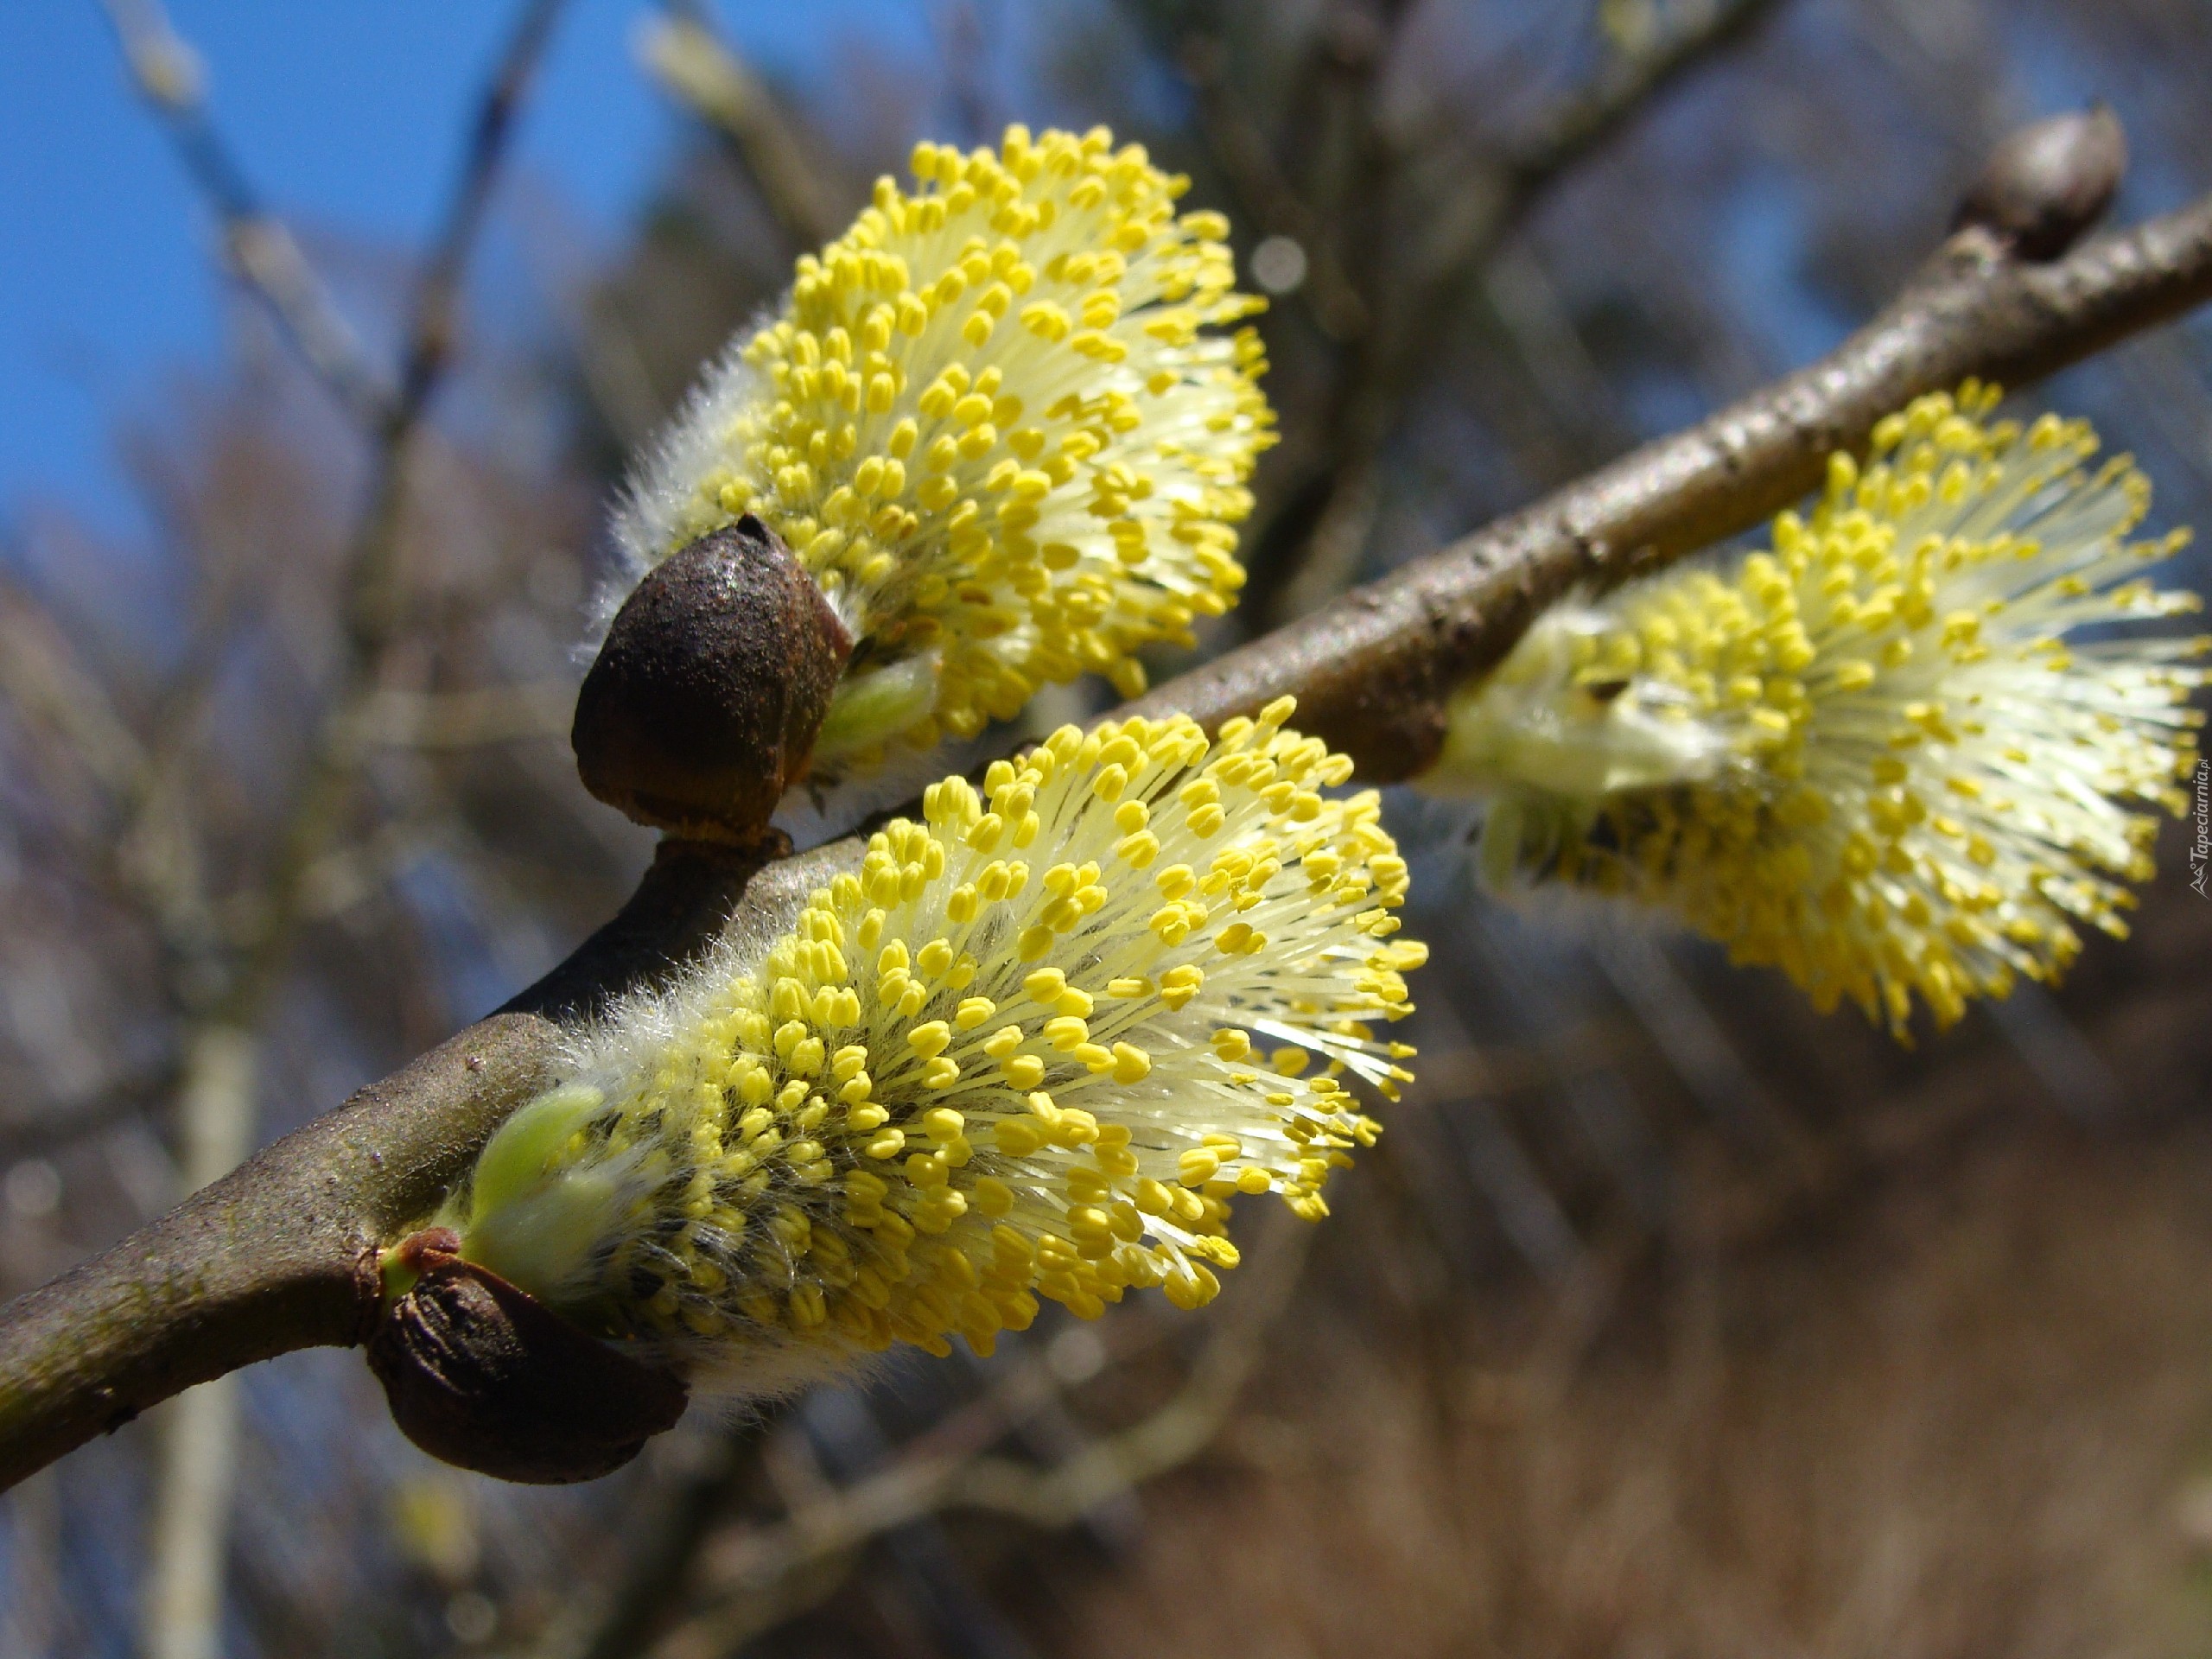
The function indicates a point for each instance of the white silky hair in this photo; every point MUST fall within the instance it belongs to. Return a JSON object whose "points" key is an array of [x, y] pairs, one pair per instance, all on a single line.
{"points": [[1532, 725], [612, 1055], [659, 496], [636, 1033], [1443, 835], [1536, 752]]}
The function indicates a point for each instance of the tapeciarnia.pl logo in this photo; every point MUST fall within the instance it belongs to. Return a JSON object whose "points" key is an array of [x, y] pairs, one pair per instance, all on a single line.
{"points": [[2200, 851]]}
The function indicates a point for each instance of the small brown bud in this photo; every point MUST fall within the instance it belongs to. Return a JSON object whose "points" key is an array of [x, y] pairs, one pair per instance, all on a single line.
{"points": [[482, 1376], [703, 706], [2046, 184]]}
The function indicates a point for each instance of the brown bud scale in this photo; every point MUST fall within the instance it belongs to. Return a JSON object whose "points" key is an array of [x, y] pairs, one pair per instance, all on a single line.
{"points": [[703, 706], [482, 1376], [2049, 182]]}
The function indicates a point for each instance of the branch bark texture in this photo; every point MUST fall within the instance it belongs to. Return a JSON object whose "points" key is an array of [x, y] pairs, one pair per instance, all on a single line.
{"points": [[280, 1255]]}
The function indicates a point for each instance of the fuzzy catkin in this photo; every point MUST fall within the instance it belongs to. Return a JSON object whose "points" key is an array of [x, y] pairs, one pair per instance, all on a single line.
{"points": [[997, 422], [1899, 754], [1033, 1048]]}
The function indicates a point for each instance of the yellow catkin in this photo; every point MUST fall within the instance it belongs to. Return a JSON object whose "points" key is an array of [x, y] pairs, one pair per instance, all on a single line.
{"points": [[1876, 754], [996, 421], [894, 1125]]}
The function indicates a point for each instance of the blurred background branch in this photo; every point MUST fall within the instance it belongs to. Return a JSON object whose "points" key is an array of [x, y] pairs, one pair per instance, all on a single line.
{"points": [[688, 55], [260, 247], [1472, 197], [223, 984]]}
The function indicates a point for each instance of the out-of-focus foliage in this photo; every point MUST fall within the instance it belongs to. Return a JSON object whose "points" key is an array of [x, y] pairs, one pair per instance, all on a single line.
{"points": [[1671, 1317]]}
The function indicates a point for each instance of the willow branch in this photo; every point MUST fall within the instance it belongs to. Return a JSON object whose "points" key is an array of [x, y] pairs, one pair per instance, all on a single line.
{"points": [[1371, 669], [276, 1255], [280, 1254]]}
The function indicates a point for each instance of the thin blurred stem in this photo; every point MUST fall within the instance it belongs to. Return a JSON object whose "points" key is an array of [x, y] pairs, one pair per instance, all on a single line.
{"points": [[189, 1533], [259, 245], [689, 57], [194, 1477]]}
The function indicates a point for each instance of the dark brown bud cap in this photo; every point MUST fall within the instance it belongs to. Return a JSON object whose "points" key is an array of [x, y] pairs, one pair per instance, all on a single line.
{"points": [[482, 1376], [2049, 182], [703, 705]]}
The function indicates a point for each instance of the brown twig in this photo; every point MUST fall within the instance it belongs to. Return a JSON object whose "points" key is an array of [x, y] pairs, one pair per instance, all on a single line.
{"points": [[271, 1258]]}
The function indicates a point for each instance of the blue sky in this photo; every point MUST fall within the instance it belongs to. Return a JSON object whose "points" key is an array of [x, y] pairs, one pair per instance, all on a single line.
{"points": [[345, 113]]}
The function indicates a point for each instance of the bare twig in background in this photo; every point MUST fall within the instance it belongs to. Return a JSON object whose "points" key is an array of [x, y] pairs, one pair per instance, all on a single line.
{"points": [[618, 1620], [217, 1086], [757, 1571], [1571, 128], [1484, 202], [690, 59], [371, 580], [40, 674], [641, 1601], [271, 1258], [1269, 199], [260, 245]]}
